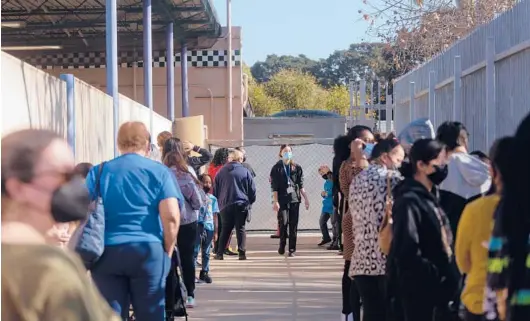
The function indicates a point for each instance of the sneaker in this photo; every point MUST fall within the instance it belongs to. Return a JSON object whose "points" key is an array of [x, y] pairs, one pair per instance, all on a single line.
{"points": [[229, 252], [190, 302], [242, 256], [281, 251], [275, 236], [291, 254], [333, 247], [323, 242], [204, 277], [218, 257]]}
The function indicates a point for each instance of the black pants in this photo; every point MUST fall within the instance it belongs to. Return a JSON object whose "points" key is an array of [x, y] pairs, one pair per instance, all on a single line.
{"points": [[351, 301], [468, 316], [234, 215], [288, 218], [186, 245], [372, 289]]}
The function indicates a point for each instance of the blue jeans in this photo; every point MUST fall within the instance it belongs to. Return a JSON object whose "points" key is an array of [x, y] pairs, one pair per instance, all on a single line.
{"points": [[134, 273], [204, 244]]}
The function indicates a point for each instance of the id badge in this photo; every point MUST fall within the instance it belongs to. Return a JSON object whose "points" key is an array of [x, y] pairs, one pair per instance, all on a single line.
{"points": [[290, 189]]}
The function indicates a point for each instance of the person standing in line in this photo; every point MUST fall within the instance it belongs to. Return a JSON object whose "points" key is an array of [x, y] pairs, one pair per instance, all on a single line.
{"points": [[175, 157], [287, 180], [327, 207], [207, 231], [196, 162], [245, 164], [236, 192], [349, 167], [369, 193], [39, 189], [420, 263], [219, 160], [474, 231], [142, 212]]}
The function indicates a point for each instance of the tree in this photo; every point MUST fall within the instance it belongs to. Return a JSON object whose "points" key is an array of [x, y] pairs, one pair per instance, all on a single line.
{"points": [[264, 70], [338, 100], [263, 104], [296, 90]]}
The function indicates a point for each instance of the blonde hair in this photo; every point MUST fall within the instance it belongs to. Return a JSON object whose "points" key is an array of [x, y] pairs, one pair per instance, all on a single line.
{"points": [[235, 155], [133, 136]]}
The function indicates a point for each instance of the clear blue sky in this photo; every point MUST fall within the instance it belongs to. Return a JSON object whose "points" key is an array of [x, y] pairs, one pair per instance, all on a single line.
{"points": [[291, 27]]}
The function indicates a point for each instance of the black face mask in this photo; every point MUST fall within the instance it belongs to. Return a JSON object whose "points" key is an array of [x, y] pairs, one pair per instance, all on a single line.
{"points": [[206, 189], [70, 201], [325, 176], [439, 174]]}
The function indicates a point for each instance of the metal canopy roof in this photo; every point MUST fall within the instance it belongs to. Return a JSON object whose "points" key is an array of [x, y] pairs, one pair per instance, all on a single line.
{"points": [[79, 25]]}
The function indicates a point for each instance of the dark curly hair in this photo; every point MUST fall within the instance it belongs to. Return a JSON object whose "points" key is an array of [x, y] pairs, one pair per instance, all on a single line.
{"points": [[220, 156]]}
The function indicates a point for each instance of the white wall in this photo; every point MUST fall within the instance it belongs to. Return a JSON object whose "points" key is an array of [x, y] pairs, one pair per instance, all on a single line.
{"points": [[32, 98]]}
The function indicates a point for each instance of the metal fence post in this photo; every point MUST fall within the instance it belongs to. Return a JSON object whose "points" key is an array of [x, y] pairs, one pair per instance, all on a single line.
{"points": [[457, 96], [412, 110], [432, 96], [362, 104], [388, 106], [490, 92], [350, 113], [70, 109]]}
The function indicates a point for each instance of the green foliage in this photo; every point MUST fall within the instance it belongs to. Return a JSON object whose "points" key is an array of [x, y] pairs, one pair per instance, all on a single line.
{"points": [[264, 70], [296, 90], [263, 104], [338, 100]]}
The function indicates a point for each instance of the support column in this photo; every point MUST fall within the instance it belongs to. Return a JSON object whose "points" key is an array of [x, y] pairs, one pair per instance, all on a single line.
{"points": [[457, 95], [491, 122], [170, 73], [388, 106], [432, 97], [111, 65], [412, 107], [148, 62], [229, 61], [184, 79]]}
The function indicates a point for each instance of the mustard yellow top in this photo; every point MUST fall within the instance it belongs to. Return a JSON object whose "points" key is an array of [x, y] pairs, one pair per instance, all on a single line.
{"points": [[471, 249]]}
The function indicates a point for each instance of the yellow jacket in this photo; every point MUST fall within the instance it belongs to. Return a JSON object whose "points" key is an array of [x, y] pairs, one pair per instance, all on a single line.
{"points": [[471, 249]]}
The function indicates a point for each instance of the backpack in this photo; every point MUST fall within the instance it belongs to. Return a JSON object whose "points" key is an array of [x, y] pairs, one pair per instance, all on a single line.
{"points": [[176, 293]]}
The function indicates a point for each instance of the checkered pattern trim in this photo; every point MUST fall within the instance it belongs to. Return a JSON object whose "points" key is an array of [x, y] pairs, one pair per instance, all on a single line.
{"points": [[92, 60]]}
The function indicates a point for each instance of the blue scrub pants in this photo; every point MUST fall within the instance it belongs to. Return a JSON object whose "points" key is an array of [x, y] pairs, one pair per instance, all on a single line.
{"points": [[134, 273]]}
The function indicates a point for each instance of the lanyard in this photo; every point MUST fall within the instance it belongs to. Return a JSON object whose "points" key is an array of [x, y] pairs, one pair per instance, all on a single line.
{"points": [[287, 170]]}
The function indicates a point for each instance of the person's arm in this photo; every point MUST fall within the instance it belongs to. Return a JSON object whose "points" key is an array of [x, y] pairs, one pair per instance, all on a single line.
{"points": [[275, 185], [215, 210], [360, 158], [169, 205], [204, 158], [192, 195], [301, 186], [464, 236], [252, 189]]}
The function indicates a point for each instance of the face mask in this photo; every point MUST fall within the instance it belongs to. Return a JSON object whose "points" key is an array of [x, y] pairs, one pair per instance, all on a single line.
{"points": [[439, 174], [70, 201], [287, 156], [368, 149], [206, 189]]}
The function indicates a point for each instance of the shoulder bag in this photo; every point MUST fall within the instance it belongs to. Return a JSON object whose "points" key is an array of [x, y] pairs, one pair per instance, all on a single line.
{"points": [[385, 232], [90, 235]]}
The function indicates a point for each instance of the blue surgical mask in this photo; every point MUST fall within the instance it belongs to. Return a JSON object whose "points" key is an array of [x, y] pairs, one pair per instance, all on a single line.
{"points": [[287, 156], [368, 149]]}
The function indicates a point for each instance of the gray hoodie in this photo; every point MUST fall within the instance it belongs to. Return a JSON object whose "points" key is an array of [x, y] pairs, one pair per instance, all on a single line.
{"points": [[468, 176], [194, 198]]}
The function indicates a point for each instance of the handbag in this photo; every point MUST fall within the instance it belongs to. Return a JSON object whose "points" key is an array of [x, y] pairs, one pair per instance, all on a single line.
{"points": [[385, 232], [90, 235]]}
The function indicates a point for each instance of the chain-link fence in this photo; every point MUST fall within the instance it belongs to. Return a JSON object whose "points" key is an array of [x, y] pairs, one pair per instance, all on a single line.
{"points": [[263, 154]]}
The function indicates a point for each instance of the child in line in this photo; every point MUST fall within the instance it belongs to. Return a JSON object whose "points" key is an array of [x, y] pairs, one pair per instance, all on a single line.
{"points": [[327, 209], [207, 231]]}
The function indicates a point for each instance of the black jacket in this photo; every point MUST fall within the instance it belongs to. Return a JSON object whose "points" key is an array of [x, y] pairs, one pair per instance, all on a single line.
{"points": [[234, 184], [196, 162], [279, 182], [419, 263]]}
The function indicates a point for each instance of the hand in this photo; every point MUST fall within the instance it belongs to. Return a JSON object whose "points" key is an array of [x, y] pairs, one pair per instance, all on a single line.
{"points": [[324, 194], [215, 237], [276, 206], [188, 146], [306, 201]]}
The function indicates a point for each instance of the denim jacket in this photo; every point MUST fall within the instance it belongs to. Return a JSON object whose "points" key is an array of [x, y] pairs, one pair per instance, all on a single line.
{"points": [[194, 197]]}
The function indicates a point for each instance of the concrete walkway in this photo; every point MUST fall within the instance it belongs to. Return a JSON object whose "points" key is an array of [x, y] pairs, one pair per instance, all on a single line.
{"points": [[269, 287]]}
